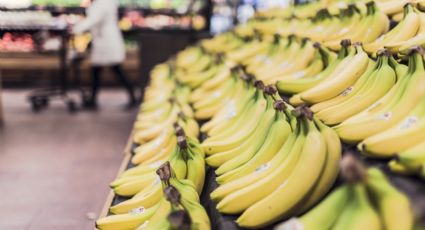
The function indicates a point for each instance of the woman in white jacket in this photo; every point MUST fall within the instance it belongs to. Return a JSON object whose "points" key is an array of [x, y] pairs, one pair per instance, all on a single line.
{"points": [[107, 46]]}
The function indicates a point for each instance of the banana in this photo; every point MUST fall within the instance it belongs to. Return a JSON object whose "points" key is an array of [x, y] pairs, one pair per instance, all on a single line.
{"points": [[314, 67], [230, 114], [298, 63], [362, 215], [303, 84], [369, 28], [152, 132], [251, 144], [130, 220], [403, 47], [197, 213], [216, 96], [324, 214], [196, 167], [226, 116], [130, 186], [281, 164], [216, 101], [358, 129], [216, 81], [279, 203], [238, 137], [336, 84], [378, 84], [201, 64], [410, 161], [405, 30], [277, 136], [392, 7], [399, 168], [147, 197], [227, 129], [331, 169], [262, 129], [194, 80], [188, 57], [248, 50], [353, 17], [348, 92], [141, 170], [389, 99], [147, 153], [154, 222], [394, 207], [402, 136]]}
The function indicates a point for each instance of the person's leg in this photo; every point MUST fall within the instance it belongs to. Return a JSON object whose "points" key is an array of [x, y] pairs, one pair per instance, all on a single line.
{"points": [[118, 71], [96, 72]]}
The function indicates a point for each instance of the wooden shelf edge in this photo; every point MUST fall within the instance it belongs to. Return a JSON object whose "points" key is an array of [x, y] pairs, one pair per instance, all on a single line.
{"points": [[124, 164]]}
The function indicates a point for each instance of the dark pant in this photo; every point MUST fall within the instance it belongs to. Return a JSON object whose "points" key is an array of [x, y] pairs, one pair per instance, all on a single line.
{"points": [[119, 73]]}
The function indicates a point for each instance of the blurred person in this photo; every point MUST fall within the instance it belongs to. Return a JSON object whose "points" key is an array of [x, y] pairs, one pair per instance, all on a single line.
{"points": [[108, 48]]}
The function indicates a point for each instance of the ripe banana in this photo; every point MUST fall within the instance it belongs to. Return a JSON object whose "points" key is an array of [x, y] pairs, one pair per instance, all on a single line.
{"points": [[279, 203]]}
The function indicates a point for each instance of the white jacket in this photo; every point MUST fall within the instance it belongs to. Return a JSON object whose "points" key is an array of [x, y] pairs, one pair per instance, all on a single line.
{"points": [[108, 43]]}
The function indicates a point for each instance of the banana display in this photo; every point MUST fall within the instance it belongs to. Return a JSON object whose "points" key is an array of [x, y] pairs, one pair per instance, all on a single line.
{"points": [[311, 151], [365, 90], [345, 72], [177, 207], [367, 201]]}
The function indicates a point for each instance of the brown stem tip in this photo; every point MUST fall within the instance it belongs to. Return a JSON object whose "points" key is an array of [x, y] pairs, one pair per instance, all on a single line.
{"points": [[247, 77], [279, 105], [346, 43], [352, 170], [270, 90], [182, 142], [259, 84], [179, 131], [416, 49], [164, 171], [303, 111], [179, 220], [172, 195], [384, 52]]}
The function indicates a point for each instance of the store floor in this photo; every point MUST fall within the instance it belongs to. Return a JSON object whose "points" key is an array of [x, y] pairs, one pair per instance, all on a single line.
{"points": [[55, 167]]}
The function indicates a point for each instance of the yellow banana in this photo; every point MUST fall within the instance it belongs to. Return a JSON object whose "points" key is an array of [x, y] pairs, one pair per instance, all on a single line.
{"points": [[335, 85], [280, 202], [393, 206]]}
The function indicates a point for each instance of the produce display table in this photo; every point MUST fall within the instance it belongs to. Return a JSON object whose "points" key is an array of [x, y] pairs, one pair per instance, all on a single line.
{"points": [[413, 186], [124, 165]]}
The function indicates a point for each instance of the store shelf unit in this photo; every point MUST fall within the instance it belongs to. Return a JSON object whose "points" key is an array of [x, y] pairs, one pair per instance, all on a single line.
{"points": [[37, 59]]}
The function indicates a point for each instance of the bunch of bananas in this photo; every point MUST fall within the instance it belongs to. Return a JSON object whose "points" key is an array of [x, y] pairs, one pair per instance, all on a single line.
{"points": [[408, 32], [367, 201], [261, 153], [177, 207], [165, 102], [358, 22]]}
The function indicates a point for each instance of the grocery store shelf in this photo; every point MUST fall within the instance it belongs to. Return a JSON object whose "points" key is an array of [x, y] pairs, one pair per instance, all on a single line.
{"points": [[29, 61], [82, 10], [124, 165], [19, 28]]}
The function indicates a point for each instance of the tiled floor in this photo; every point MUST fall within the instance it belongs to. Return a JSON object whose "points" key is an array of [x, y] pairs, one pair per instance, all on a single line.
{"points": [[55, 167]]}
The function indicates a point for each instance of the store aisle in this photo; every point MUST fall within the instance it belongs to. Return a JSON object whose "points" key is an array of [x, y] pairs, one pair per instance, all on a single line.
{"points": [[55, 167]]}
